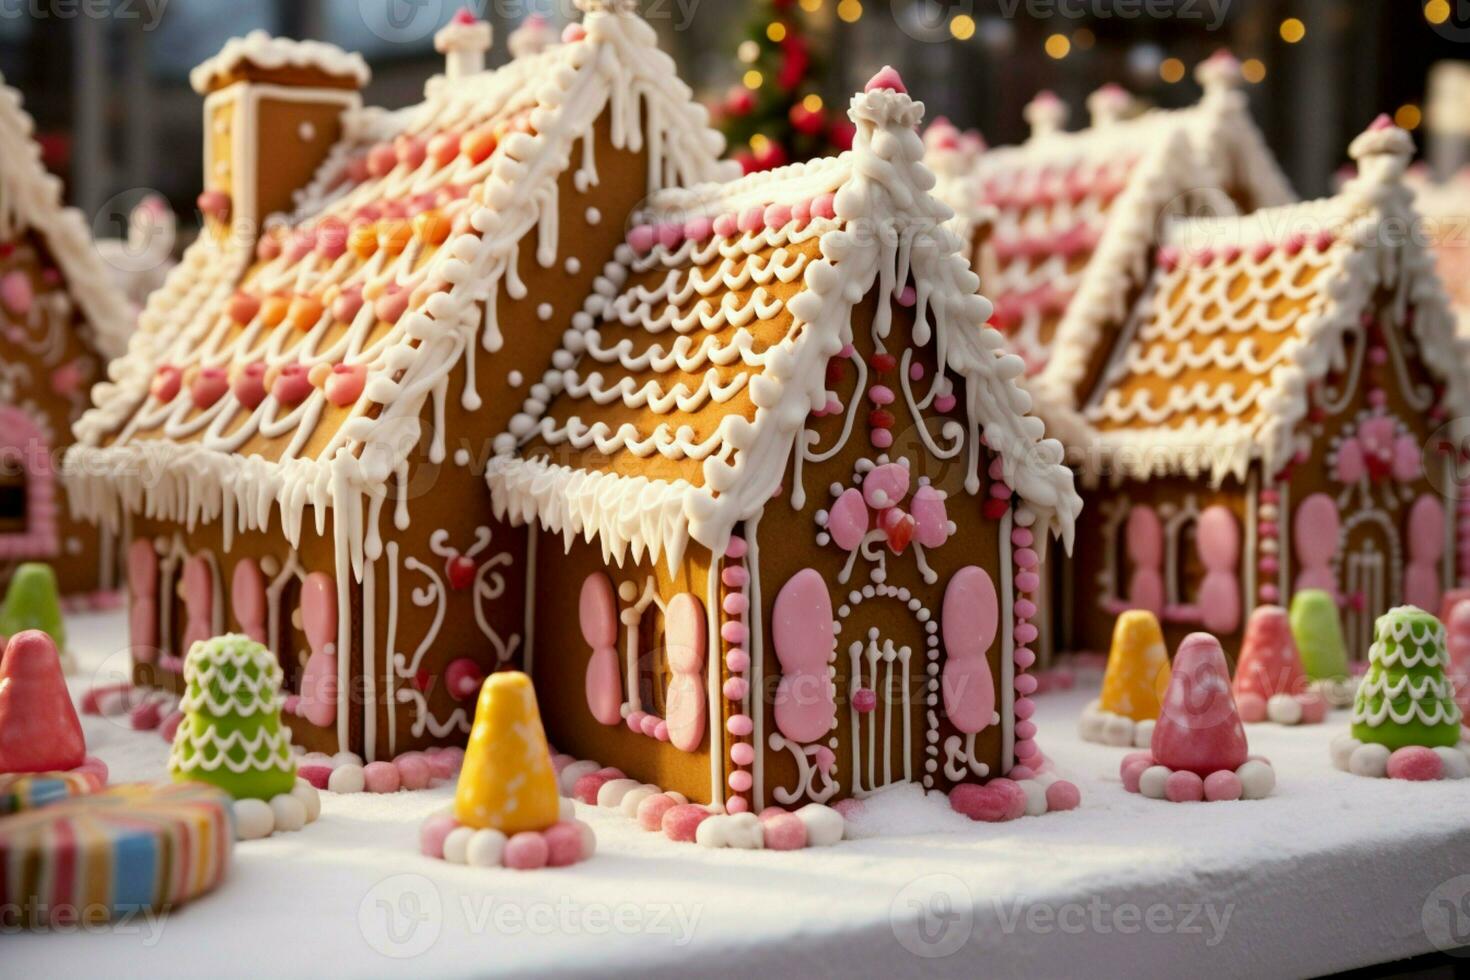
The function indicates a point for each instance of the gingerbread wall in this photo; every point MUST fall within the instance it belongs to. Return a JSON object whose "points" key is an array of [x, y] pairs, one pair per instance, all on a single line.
{"points": [[46, 370], [885, 609]]}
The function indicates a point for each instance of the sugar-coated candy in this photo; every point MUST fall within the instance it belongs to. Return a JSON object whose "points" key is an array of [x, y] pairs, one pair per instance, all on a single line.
{"points": [[457, 845], [1257, 779], [1184, 787], [1369, 759], [1222, 785], [1415, 763], [526, 851], [783, 832], [738, 830], [318, 776], [347, 779], [433, 833], [1063, 795], [651, 811], [254, 819], [572, 772], [825, 825], [381, 777], [289, 813], [563, 844], [1198, 728], [681, 822], [414, 771], [507, 781], [485, 848], [998, 800], [1153, 782]]}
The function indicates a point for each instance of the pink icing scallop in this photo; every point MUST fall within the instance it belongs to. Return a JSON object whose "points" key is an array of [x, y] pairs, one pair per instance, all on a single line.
{"points": [[670, 236], [751, 219], [822, 207], [726, 226], [777, 216], [293, 384]]}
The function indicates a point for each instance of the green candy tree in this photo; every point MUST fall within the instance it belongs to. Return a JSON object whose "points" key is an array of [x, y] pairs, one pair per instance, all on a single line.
{"points": [[1406, 698], [33, 602], [231, 736], [1317, 630]]}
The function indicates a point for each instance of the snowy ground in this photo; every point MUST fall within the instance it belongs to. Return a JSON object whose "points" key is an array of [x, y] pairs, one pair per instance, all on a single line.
{"points": [[1332, 872]]}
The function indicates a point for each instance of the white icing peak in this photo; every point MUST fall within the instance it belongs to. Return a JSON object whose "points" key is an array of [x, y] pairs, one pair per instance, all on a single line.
{"points": [[263, 51], [1219, 73], [1109, 104], [1046, 114], [464, 33], [1382, 150], [533, 36]]}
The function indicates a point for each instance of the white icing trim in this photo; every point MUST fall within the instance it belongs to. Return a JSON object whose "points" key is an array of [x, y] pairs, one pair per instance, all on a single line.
{"points": [[263, 51]]}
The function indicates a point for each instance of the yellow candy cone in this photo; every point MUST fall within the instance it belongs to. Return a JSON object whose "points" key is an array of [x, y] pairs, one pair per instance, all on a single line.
{"points": [[1138, 667], [507, 783]]}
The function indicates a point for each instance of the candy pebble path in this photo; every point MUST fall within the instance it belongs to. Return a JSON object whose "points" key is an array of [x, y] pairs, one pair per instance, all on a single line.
{"points": [[351, 896]]}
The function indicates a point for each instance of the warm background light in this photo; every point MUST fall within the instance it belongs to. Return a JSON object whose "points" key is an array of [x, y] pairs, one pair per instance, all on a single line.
{"points": [[1058, 46], [1293, 30], [1171, 70]]}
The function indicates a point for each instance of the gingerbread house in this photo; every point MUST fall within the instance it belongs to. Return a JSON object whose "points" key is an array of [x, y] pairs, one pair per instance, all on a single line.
{"points": [[1073, 216], [63, 319], [786, 493], [1278, 414], [296, 436]]}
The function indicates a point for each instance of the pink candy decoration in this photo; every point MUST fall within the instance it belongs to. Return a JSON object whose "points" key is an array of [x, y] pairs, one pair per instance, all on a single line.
{"points": [[464, 677], [1222, 785], [317, 776], [740, 726], [1416, 763], [995, 802], [345, 384], [208, 387], [1198, 728], [652, 810], [433, 832], [166, 383], [823, 206], [742, 753], [887, 79], [1184, 787], [681, 821], [585, 789], [414, 772], [741, 781], [293, 384], [381, 777], [801, 628], [1062, 795], [526, 852], [16, 293], [783, 832], [776, 216]]}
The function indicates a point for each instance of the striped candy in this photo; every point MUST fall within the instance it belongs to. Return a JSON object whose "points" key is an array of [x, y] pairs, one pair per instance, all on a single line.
{"points": [[26, 791], [94, 858]]}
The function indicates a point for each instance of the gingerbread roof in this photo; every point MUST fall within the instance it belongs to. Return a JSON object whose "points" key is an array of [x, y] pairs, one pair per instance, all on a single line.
{"points": [[1242, 316], [261, 51], [293, 371], [673, 409], [1446, 209], [1074, 213], [31, 200]]}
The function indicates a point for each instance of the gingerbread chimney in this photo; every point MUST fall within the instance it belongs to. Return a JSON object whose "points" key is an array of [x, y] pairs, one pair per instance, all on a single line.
{"points": [[463, 43], [273, 107]]}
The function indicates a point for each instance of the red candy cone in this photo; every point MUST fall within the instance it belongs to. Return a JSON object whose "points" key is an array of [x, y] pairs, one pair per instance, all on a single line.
{"points": [[1269, 662], [39, 729], [1198, 728]]}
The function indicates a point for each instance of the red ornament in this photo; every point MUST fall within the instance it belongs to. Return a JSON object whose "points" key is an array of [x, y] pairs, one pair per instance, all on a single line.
{"points": [[795, 60], [899, 528], [771, 156], [864, 700], [841, 134], [880, 418], [883, 363], [834, 370], [739, 101], [806, 121], [460, 570], [995, 508]]}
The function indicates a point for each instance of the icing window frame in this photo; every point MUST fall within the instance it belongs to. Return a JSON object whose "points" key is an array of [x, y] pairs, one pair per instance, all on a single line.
{"points": [[25, 470], [1181, 580]]}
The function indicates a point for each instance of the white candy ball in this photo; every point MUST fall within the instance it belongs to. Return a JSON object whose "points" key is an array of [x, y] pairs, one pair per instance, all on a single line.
{"points": [[1151, 782], [310, 798], [254, 819], [347, 759], [1456, 765], [484, 849], [1284, 709], [1342, 750], [1118, 731], [635, 796], [824, 825], [290, 813], [1090, 725], [1035, 796], [566, 808], [1257, 779], [610, 794], [347, 779], [457, 845], [569, 776], [1369, 759], [589, 839], [1143, 733]]}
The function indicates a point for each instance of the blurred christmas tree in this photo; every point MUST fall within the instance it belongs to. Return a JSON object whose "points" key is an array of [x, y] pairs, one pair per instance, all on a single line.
{"points": [[775, 116]]}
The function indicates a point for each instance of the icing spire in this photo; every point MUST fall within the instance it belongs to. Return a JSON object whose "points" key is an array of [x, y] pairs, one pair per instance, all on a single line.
{"points": [[1046, 114], [1219, 73], [463, 42], [1382, 151], [533, 36], [887, 78], [884, 102], [1109, 104]]}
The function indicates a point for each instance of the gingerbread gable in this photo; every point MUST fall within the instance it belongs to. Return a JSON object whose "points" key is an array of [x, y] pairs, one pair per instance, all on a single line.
{"points": [[672, 412], [1073, 215], [31, 201], [293, 371], [1242, 316]]}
